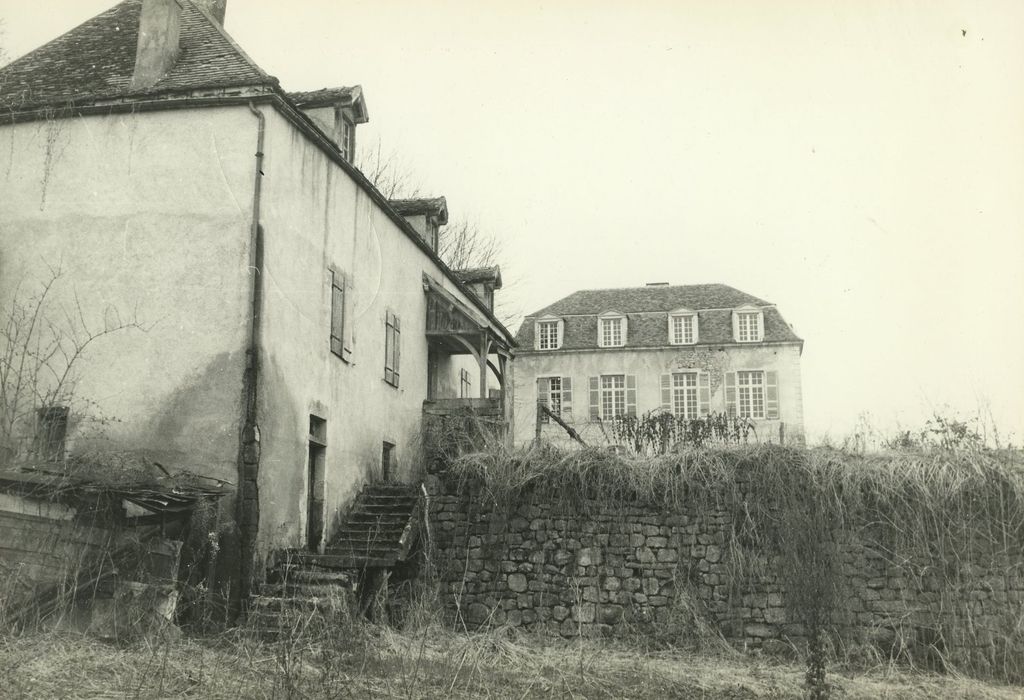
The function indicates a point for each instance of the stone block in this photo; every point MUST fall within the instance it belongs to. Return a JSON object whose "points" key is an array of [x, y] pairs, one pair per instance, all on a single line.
{"points": [[645, 555], [559, 612], [713, 553], [657, 541], [589, 556], [612, 584], [585, 613], [668, 555]]}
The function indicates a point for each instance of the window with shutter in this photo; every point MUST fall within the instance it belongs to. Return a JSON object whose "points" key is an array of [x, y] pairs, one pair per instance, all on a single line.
{"points": [[595, 398], [684, 395], [750, 398], [338, 314], [348, 332], [614, 399], [392, 348], [666, 392]]}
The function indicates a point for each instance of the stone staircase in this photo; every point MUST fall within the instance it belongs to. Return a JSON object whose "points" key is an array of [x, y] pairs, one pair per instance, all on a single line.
{"points": [[306, 588]]}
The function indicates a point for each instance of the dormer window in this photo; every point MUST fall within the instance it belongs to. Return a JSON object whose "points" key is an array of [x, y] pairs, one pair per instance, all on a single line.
{"points": [[611, 330], [549, 332], [748, 325], [347, 138], [682, 327]]}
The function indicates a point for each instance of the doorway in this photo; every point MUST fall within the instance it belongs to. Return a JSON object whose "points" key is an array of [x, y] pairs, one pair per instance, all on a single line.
{"points": [[316, 482]]}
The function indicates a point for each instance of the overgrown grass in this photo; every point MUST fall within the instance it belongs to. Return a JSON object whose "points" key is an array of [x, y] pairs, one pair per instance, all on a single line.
{"points": [[947, 519], [431, 662]]}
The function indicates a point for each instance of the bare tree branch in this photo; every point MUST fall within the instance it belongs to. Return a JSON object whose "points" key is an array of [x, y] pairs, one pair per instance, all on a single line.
{"points": [[41, 344]]}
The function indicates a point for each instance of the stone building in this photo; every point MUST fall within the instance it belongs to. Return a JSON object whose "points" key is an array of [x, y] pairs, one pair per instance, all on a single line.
{"points": [[289, 315], [689, 350]]}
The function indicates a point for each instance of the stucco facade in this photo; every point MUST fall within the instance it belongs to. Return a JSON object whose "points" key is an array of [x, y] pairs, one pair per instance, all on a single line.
{"points": [[235, 231], [648, 362]]}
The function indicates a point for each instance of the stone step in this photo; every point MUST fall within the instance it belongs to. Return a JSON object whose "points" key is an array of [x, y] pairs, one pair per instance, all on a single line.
{"points": [[291, 589]]}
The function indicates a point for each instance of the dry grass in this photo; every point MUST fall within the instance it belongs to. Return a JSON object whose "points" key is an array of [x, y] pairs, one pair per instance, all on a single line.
{"points": [[430, 663]]}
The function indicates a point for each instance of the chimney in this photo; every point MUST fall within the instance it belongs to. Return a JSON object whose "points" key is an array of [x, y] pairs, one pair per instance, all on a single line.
{"points": [[159, 32], [214, 8]]}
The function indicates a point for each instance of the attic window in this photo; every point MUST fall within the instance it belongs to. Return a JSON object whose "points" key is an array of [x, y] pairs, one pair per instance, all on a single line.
{"points": [[549, 334], [611, 331], [748, 326], [347, 139], [682, 328]]}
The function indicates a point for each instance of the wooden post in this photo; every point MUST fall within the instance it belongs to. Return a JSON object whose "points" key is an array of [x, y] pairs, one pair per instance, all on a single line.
{"points": [[540, 424]]}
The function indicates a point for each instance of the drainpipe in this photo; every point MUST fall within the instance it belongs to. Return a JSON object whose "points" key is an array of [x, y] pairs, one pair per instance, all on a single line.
{"points": [[247, 502]]}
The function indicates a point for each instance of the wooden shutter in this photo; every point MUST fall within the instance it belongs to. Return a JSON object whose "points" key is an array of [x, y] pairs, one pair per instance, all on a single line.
{"points": [[337, 312], [348, 337], [696, 328], [391, 348], [735, 326], [730, 393], [398, 344], [704, 392], [595, 398], [666, 392], [630, 394], [771, 395], [566, 397]]}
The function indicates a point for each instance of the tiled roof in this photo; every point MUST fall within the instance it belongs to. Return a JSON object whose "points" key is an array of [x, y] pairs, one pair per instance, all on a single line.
{"points": [[324, 96], [340, 96], [658, 298], [95, 61], [480, 274], [646, 310], [438, 206]]}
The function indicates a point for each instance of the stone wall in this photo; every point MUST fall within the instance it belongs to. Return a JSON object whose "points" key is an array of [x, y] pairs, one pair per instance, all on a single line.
{"points": [[617, 569]]}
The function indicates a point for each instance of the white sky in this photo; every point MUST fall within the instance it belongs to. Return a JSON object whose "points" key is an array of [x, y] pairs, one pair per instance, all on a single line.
{"points": [[860, 164]]}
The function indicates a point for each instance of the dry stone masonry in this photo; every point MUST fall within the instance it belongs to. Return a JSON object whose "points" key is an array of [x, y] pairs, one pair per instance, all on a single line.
{"points": [[617, 569]]}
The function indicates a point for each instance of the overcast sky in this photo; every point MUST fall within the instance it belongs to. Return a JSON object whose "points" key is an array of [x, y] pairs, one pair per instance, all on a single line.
{"points": [[859, 164]]}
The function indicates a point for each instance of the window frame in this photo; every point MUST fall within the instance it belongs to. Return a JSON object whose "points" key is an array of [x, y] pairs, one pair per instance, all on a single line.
{"points": [[559, 332], [694, 327], [613, 392], [623, 329], [465, 383], [750, 388], [690, 404], [748, 324]]}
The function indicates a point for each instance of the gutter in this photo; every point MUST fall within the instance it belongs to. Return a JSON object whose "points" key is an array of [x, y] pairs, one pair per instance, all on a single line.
{"points": [[247, 503]]}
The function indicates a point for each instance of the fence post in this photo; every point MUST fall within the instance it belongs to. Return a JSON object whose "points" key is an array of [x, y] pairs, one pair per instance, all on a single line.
{"points": [[536, 436]]}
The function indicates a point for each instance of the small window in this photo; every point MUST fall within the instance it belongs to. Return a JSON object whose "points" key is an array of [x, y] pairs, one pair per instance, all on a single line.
{"points": [[348, 138], [465, 384], [392, 348], [682, 329], [611, 331], [51, 432], [549, 335]]}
